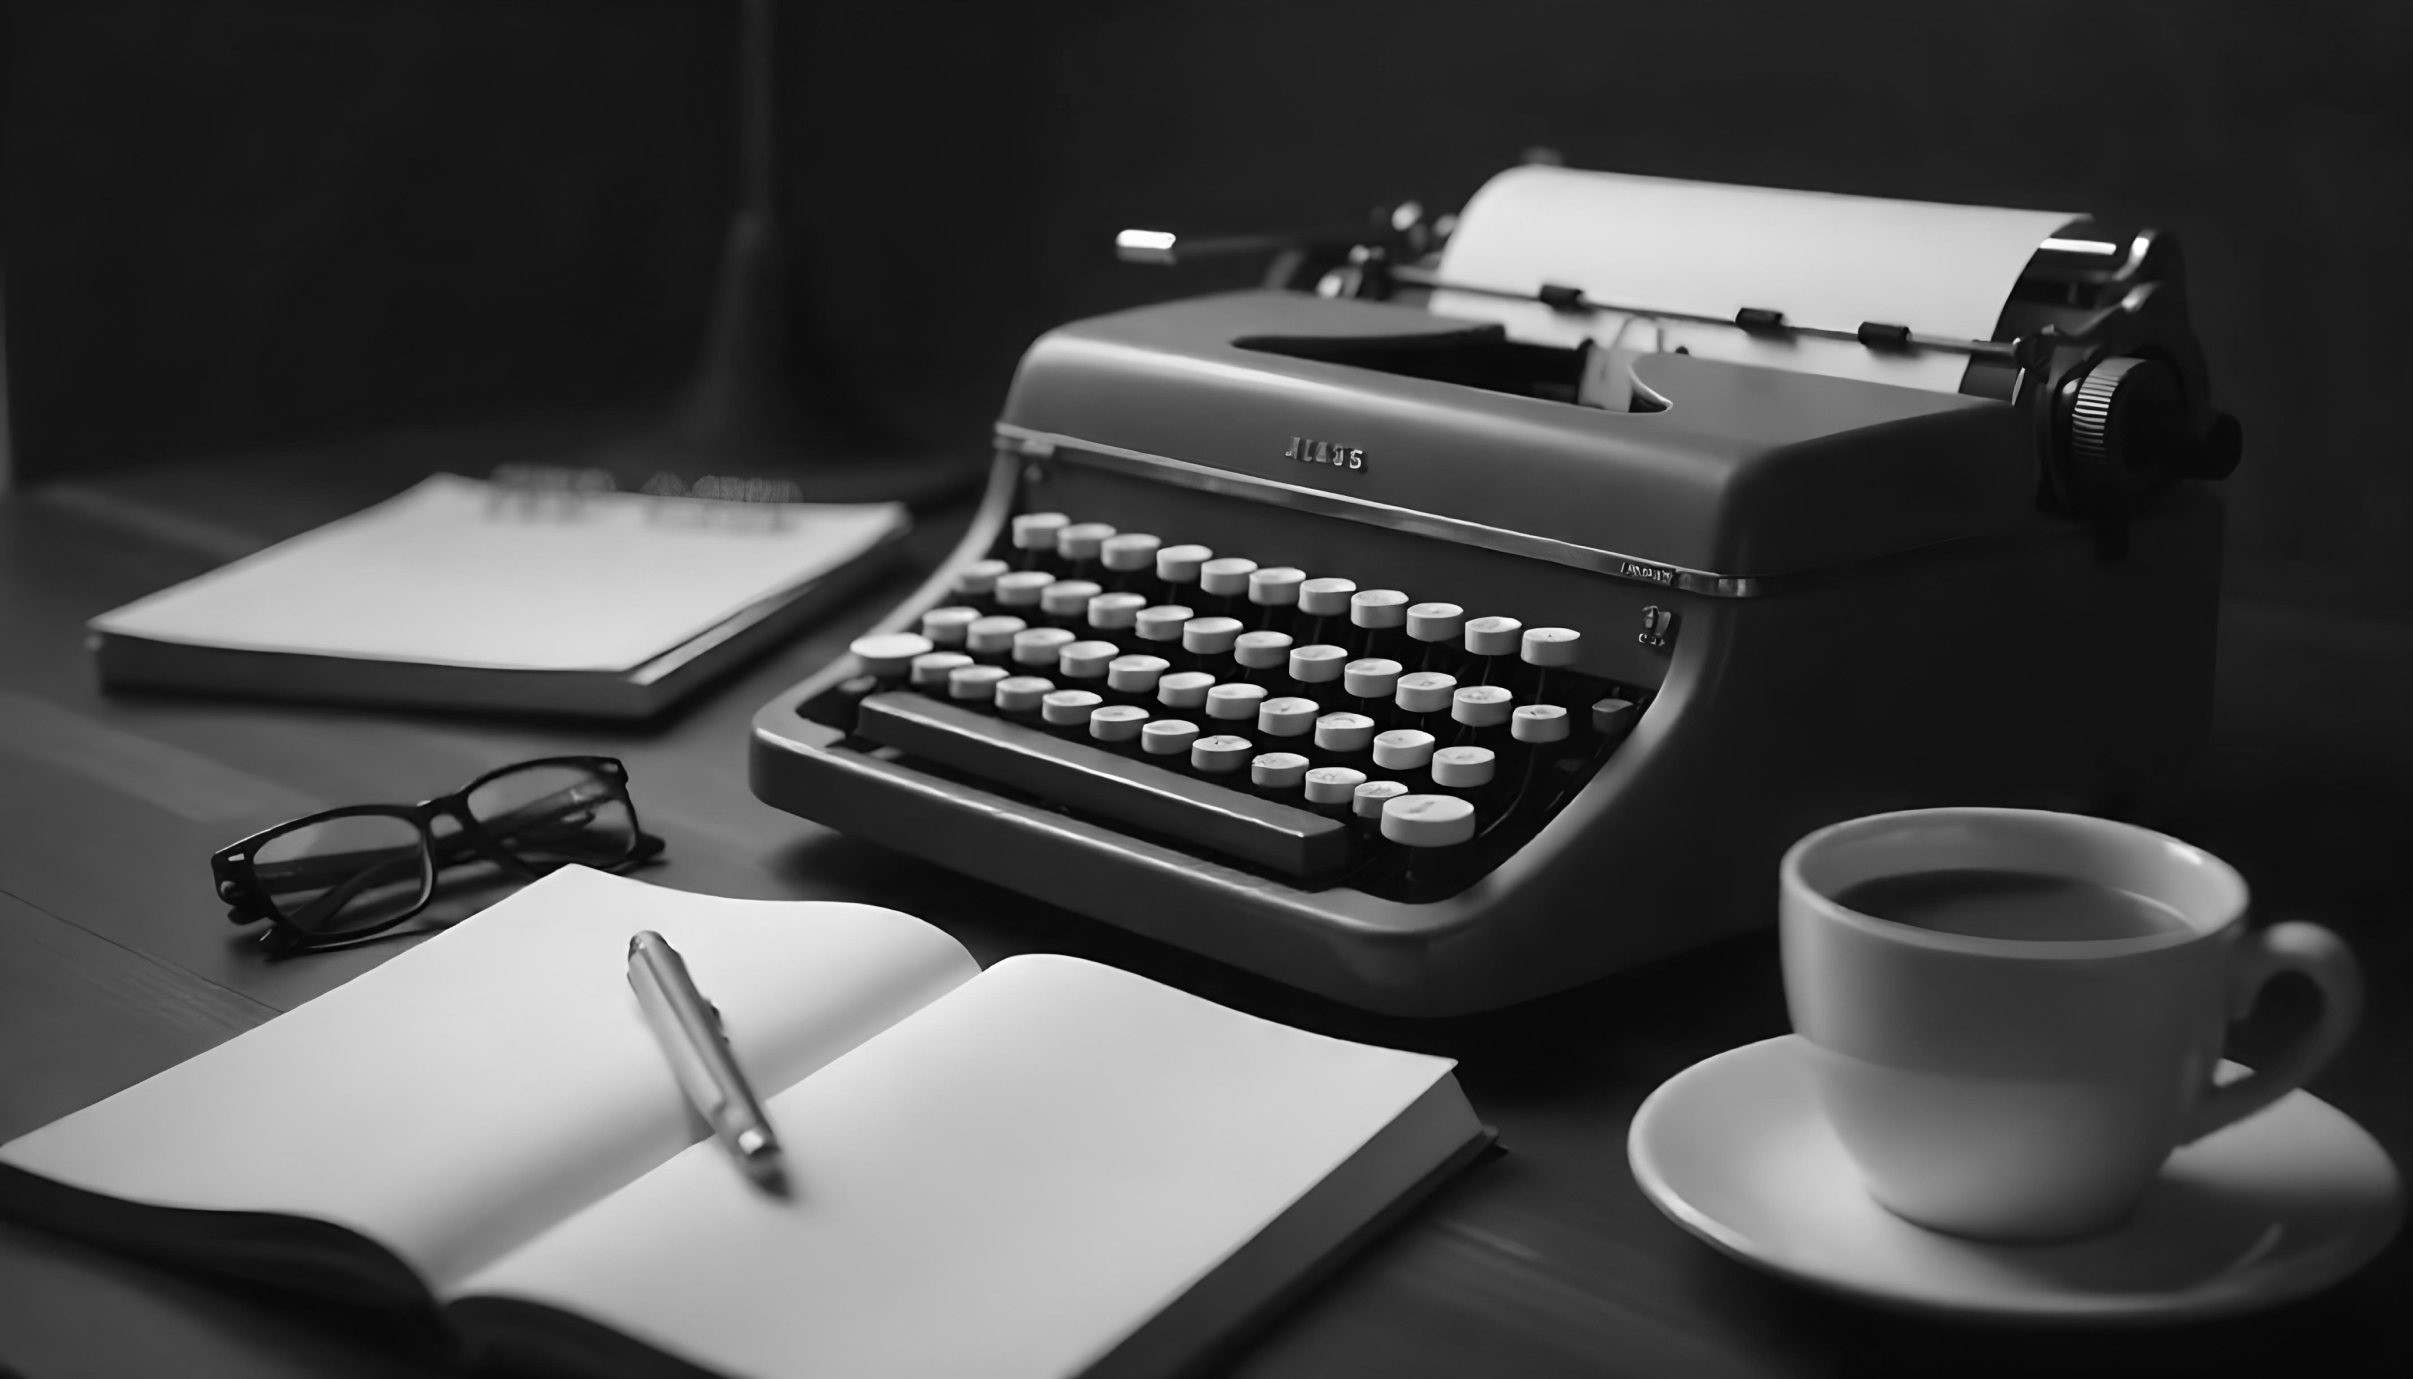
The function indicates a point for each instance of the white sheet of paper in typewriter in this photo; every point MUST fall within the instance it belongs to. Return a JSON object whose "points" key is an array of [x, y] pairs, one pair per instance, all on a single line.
{"points": [[1707, 249]]}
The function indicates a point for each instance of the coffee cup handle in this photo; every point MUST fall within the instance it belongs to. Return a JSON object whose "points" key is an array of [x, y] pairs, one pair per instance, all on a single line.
{"points": [[2260, 956]]}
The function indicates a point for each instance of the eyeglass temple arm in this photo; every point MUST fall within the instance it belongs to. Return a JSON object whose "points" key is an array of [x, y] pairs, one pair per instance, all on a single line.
{"points": [[337, 897], [326, 867]]}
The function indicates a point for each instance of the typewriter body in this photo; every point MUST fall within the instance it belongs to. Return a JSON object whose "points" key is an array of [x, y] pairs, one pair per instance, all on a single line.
{"points": [[1521, 688]]}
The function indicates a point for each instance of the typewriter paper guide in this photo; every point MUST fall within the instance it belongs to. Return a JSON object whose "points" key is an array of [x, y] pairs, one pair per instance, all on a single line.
{"points": [[1706, 249], [457, 572]]}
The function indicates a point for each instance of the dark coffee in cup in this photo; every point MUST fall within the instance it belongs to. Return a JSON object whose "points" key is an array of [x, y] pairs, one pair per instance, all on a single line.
{"points": [[1986, 903]]}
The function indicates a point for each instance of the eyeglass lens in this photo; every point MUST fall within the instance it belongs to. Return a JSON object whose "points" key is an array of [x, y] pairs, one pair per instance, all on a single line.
{"points": [[552, 814], [344, 873]]}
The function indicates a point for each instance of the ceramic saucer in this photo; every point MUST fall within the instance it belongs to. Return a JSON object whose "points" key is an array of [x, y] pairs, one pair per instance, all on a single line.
{"points": [[2274, 1207]]}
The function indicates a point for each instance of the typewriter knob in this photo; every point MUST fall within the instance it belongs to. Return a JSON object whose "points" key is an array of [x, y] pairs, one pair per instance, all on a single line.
{"points": [[2125, 420]]}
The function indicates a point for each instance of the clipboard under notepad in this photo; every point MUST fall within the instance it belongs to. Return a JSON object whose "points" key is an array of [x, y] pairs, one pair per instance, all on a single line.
{"points": [[462, 594]]}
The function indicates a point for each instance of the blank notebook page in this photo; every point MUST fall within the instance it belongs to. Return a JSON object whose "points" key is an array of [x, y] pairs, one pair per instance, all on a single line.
{"points": [[468, 1093], [459, 572], [1004, 1184]]}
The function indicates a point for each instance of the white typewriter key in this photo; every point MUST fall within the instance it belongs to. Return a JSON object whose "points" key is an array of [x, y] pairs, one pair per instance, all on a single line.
{"points": [[1020, 694], [1082, 540], [1436, 622], [994, 635], [1372, 678], [1068, 598], [1167, 737], [1378, 608], [1262, 650], [1538, 723], [1163, 623], [1210, 636], [945, 626], [932, 668], [976, 682], [1549, 651], [1550, 646], [1317, 665], [889, 655], [1327, 597], [1277, 770], [1132, 550], [1428, 821], [1179, 564], [1221, 754], [1068, 708], [1276, 586], [1330, 786], [1023, 588], [1614, 718], [1040, 646], [1480, 706], [1494, 636], [1368, 799], [1463, 768], [1403, 749], [1085, 660], [1425, 691], [1286, 717], [1226, 576], [1036, 531], [1344, 732], [1236, 702], [1136, 674], [979, 579], [1184, 689], [1117, 722], [1116, 612]]}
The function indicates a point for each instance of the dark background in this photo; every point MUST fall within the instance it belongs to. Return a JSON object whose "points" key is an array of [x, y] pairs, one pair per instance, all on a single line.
{"points": [[261, 222]]}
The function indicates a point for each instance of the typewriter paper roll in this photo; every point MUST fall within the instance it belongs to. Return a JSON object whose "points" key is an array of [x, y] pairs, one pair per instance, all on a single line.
{"points": [[1706, 249]]}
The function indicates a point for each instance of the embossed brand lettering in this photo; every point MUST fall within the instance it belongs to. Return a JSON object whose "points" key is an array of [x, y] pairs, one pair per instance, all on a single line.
{"points": [[1308, 450], [1635, 569]]}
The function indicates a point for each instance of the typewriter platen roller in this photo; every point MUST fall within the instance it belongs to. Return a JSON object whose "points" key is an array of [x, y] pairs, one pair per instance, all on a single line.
{"points": [[1361, 638]]}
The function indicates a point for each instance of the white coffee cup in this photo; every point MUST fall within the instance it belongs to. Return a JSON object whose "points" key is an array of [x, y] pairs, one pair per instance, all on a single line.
{"points": [[2030, 1089]]}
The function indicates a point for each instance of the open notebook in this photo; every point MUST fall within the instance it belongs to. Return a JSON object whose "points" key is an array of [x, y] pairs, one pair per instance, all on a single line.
{"points": [[1048, 1168], [464, 594]]}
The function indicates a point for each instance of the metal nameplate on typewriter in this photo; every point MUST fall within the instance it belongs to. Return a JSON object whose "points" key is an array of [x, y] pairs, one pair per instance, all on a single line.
{"points": [[1544, 692]]}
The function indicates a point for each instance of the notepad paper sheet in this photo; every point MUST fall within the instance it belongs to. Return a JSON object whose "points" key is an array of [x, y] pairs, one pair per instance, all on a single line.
{"points": [[459, 572]]}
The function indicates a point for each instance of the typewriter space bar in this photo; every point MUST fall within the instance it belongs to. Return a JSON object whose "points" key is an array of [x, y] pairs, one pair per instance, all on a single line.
{"points": [[1214, 817]]}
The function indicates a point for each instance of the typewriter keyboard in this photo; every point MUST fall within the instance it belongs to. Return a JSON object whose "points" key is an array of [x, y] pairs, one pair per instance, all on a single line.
{"points": [[1277, 718]]}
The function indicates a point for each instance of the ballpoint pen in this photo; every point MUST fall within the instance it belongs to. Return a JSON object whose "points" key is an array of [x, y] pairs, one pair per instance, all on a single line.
{"points": [[689, 1031]]}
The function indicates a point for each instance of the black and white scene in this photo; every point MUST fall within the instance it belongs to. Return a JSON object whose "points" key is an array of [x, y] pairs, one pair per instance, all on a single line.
{"points": [[799, 689]]}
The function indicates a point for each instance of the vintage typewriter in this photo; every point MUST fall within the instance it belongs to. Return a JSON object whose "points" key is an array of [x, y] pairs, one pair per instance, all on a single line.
{"points": [[1452, 622]]}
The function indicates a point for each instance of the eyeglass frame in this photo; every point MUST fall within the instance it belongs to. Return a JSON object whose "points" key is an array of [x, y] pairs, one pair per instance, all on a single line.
{"points": [[235, 866]]}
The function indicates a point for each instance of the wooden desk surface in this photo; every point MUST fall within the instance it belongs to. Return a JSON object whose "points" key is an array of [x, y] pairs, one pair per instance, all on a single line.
{"points": [[115, 962]]}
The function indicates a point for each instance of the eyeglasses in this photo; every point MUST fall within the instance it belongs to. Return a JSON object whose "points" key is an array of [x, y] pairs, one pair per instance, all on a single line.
{"points": [[345, 874]]}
